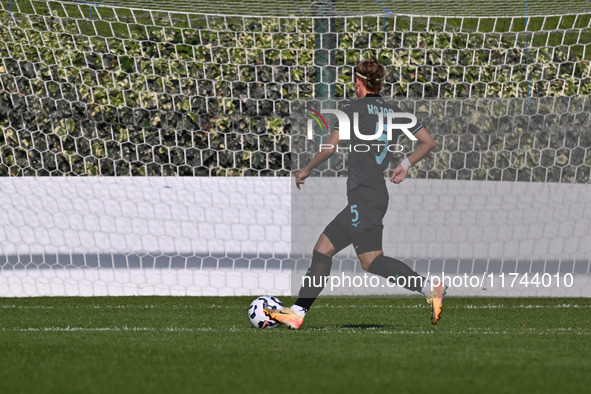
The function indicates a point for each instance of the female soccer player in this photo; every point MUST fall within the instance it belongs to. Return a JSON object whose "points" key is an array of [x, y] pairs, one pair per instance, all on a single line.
{"points": [[360, 223]]}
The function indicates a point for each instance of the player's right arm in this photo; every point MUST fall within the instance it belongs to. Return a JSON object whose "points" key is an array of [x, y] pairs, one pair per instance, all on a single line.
{"points": [[326, 151]]}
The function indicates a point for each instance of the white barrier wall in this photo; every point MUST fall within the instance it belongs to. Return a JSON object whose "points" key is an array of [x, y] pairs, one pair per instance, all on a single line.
{"points": [[232, 236], [163, 214], [134, 236]]}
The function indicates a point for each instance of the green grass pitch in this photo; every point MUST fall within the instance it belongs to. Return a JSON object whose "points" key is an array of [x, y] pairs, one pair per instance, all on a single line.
{"points": [[203, 344]]}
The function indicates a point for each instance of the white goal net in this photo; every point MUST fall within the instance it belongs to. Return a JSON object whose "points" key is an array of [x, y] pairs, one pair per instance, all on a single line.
{"points": [[117, 118]]}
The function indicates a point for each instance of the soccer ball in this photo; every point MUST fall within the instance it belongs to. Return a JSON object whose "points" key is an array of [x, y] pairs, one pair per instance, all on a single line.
{"points": [[257, 315]]}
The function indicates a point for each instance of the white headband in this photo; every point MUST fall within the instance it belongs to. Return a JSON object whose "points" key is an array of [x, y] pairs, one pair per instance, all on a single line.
{"points": [[364, 77]]}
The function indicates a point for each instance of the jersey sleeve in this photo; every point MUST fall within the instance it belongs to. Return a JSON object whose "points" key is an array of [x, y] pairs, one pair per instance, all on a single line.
{"points": [[416, 127]]}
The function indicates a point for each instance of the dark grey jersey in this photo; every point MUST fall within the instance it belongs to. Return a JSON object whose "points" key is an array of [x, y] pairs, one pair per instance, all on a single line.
{"points": [[368, 159]]}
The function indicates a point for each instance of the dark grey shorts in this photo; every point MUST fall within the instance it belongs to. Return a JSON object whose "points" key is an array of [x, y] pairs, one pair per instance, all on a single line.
{"points": [[360, 223]]}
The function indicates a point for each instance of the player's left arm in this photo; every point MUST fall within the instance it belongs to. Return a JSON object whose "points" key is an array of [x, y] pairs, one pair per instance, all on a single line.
{"points": [[326, 151], [426, 143]]}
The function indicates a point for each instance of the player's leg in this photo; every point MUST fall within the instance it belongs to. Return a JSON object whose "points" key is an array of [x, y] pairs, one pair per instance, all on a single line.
{"points": [[400, 273], [312, 285], [334, 238], [367, 213], [368, 245], [315, 279], [368, 210]]}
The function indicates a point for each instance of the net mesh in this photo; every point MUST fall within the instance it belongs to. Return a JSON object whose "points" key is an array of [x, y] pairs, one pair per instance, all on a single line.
{"points": [[98, 89], [213, 89]]}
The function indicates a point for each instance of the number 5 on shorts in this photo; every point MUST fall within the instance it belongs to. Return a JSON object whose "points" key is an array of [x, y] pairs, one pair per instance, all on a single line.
{"points": [[355, 212]]}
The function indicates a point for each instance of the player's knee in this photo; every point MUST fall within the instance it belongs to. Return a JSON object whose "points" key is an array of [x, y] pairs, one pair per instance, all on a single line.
{"points": [[322, 259], [324, 246], [367, 258], [365, 265]]}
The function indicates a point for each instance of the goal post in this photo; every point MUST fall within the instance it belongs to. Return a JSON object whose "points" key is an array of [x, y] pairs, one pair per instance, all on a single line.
{"points": [[116, 114]]}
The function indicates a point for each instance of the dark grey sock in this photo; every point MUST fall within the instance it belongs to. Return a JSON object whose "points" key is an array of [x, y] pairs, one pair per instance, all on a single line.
{"points": [[314, 280], [396, 270]]}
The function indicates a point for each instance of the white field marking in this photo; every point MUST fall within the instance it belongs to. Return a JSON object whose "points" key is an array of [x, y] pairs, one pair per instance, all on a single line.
{"points": [[101, 329], [464, 331], [350, 306], [329, 329], [128, 306], [423, 305]]}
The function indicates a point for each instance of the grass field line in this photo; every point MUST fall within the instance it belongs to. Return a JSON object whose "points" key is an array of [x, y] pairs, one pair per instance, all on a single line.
{"points": [[332, 329], [107, 329], [349, 306]]}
